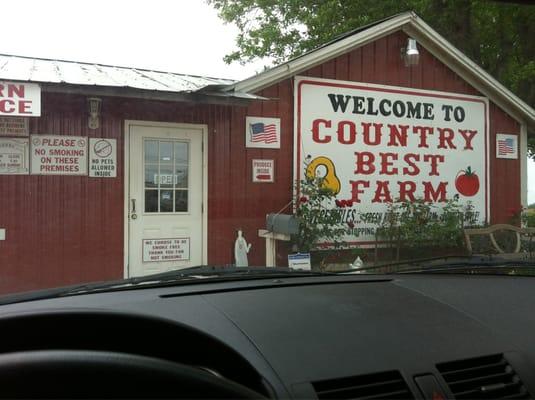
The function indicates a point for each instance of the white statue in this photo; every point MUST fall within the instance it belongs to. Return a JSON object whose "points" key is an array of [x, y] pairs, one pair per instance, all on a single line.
{"points": [[241, 248], [357, 264]]}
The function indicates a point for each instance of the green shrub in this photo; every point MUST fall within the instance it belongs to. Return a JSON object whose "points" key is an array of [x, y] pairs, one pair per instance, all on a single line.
{"points": [[423, 224], [318, 222]]}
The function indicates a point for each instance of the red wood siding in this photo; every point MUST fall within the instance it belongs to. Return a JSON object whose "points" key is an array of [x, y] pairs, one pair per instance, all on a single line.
{"points": [[63, 230]]}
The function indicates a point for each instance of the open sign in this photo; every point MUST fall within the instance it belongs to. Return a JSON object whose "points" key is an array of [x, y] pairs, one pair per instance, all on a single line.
{"points": [[20, 99]]}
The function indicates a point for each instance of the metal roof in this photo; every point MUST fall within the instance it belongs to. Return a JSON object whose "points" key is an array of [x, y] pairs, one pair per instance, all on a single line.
{"points": [[18, 68]]}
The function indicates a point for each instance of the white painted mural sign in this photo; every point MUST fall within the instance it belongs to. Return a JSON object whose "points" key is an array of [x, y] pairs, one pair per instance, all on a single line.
{"points": [[58, 155], [14, 156], [376, 144], [102, 158]]}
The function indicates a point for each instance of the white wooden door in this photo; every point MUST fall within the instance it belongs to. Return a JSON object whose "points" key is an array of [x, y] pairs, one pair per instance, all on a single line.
{"points": [[165, 225]]}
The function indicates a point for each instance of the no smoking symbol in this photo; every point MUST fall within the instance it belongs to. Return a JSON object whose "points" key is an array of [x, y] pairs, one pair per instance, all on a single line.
{"points": [[102, 148]]}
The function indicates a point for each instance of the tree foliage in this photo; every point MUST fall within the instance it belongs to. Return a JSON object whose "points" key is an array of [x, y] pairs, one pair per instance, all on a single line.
{"points": [[496, 35]]}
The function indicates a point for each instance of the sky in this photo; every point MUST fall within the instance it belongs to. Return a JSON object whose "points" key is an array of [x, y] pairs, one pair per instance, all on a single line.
{"points": [[184, 36]]}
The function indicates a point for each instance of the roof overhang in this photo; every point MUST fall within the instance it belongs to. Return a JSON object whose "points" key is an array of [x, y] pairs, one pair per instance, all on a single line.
{"points": [[415, 27], [209, 97]]}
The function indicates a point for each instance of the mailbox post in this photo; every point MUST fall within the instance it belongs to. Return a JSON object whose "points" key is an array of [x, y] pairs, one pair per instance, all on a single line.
{"points": [[279, 227]]}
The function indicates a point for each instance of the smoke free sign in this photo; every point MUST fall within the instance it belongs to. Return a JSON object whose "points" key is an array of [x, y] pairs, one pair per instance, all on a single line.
{"points": [[377, 144]]}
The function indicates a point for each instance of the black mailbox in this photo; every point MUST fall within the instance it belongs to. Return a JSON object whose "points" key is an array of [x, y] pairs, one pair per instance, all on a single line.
{"points": [[282, 223]]}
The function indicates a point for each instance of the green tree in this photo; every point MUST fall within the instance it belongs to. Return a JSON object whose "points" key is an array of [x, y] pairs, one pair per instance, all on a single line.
{"points": [[496, 35]]}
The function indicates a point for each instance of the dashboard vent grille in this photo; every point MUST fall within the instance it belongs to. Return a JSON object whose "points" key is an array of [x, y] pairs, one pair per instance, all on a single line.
{"points": [[383, 385], [489, 377]]}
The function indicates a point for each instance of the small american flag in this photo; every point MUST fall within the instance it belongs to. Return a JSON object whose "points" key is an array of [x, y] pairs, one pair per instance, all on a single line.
{"points": [[263, 133], [505, 146]]}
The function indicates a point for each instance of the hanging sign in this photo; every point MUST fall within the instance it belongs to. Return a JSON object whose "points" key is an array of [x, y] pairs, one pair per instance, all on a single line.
{"points": [[14, 126], [506, 146], [157, 250], [58, 155], [263, 133], [263, 171], [377, 144], [14, 156], [102, 158], [20, 99]]}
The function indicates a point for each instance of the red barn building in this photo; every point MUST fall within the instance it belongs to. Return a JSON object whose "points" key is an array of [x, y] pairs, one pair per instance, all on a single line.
{"points": [[110, 172]]}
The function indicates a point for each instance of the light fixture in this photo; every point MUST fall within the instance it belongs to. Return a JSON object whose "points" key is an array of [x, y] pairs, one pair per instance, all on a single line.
{"points": [[94, 112], [410, 54]]}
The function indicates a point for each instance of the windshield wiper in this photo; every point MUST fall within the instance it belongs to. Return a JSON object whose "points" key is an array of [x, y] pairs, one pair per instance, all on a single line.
{"points": [[451, 263], [474, 264], [197, 274]]}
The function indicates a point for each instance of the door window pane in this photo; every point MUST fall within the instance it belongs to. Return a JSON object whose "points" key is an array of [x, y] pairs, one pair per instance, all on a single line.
{"points": [[181, 200], [166, 152], [181, 177], [181, 152], [151, 151], [151, 201], [151, 176], [166, 178], [166, 201]]}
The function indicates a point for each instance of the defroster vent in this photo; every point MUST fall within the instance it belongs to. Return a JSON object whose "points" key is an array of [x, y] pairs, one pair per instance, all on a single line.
{"points": [[382, 385], [489, 377]]}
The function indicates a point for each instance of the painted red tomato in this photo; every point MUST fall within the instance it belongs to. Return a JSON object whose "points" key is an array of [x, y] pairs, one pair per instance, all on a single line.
{"points": [[467, 182]]}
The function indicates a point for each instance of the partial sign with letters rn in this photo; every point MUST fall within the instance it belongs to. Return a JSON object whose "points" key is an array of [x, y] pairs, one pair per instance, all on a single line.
{"points": [[20, 99], [377, 144]]}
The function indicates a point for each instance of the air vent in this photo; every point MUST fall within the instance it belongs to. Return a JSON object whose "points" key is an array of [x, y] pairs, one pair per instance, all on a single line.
{"points": [[383, 385], [489, 377]]}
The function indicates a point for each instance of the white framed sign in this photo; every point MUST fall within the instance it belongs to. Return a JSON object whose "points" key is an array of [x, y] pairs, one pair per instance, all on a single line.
{"points": [[262, 133], [14, 126], [102, 158], [263, 171], [375, 144], [20, 99], [161, 250], [299, 261], [58, 155], [14, 156], [506, 146]]}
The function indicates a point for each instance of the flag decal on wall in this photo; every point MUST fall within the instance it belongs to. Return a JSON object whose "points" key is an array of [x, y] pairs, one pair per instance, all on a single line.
{"points": [[506, 146], [262, 132]]}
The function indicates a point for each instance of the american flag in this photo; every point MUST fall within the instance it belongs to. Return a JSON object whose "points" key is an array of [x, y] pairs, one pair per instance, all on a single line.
{"points": [[263, 133], [505, 146]]}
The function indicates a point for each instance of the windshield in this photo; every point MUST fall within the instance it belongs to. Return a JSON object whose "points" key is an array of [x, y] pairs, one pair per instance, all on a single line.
{"points": [[198, 141]]}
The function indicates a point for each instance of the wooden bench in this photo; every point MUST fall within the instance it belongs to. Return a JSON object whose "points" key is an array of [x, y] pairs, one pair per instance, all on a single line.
{"points": [[490, 231]]}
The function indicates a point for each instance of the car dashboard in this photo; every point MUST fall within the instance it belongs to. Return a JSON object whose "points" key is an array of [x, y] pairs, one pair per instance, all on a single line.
{"points": [[349, 336]]}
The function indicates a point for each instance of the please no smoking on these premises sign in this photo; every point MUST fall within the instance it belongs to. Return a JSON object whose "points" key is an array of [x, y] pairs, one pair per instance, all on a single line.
{"points": [[58, 155]]}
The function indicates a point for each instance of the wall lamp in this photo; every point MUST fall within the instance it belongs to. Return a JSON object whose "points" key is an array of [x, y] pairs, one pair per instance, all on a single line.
{"points": [[410, 54], [93, 104]]}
